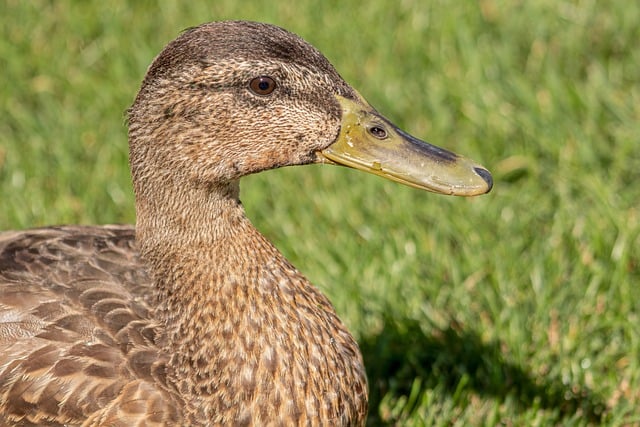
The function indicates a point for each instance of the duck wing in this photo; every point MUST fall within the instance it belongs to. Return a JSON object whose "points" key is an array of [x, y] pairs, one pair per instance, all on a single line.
{"points": [[77, 342]]}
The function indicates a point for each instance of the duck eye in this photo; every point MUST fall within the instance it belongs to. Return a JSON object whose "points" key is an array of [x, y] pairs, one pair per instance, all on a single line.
{"points": [[378, 132], [262, 85]]}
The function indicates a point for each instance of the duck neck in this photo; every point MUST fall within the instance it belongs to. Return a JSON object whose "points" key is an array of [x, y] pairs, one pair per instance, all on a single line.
{"points": [[182, 217], [196, 242], [241, 323]]}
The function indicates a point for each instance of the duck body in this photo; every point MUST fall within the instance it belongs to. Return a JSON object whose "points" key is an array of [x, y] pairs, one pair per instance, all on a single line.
{"points": [[193, 317], [83, 344]]}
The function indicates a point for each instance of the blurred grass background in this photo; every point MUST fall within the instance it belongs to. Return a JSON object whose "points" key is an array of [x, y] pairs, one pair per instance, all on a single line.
{"points": [[516, 308]]}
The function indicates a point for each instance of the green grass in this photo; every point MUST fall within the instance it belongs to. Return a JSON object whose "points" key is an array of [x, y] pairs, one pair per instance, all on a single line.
{"points": [[516, 308]]}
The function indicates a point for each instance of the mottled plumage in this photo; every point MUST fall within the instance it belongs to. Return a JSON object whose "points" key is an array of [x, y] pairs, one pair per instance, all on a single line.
{"points": [[194, 318]]}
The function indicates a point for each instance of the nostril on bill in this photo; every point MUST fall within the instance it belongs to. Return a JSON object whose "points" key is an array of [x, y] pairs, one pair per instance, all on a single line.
{"points": [[486, 175]]}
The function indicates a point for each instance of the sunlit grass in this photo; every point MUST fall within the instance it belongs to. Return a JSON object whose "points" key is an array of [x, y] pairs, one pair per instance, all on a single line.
{"points": [[517, 308]]}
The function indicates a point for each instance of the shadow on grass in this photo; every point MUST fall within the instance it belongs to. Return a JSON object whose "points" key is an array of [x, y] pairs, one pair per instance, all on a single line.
{"points": [[402, 352]]}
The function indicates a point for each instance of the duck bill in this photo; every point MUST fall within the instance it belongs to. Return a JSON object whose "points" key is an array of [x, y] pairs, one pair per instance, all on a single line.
{"points": [[371, 143]]}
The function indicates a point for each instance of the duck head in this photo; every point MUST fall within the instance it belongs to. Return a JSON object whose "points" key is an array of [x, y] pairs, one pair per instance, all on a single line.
{"points": [[228, 99]]}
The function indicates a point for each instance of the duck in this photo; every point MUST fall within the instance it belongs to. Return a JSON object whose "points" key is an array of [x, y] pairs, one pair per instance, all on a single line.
{"points": [[192, 317]]}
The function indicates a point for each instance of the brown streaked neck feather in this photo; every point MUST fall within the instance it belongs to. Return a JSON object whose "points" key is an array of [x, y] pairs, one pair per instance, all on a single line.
{"points": [[177, 217], [250, 338]]}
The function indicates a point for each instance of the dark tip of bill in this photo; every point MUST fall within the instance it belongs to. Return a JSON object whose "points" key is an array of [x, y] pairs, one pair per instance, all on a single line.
{"points": [[486, 175]]}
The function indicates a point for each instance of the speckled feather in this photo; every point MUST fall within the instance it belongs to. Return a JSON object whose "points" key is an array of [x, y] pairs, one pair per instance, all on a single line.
{"points": [[75, 330], [194, 319], [79, 343]]}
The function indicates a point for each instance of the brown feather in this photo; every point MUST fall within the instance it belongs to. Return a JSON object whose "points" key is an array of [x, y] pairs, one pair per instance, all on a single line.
{"points": [[60, 360]]}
